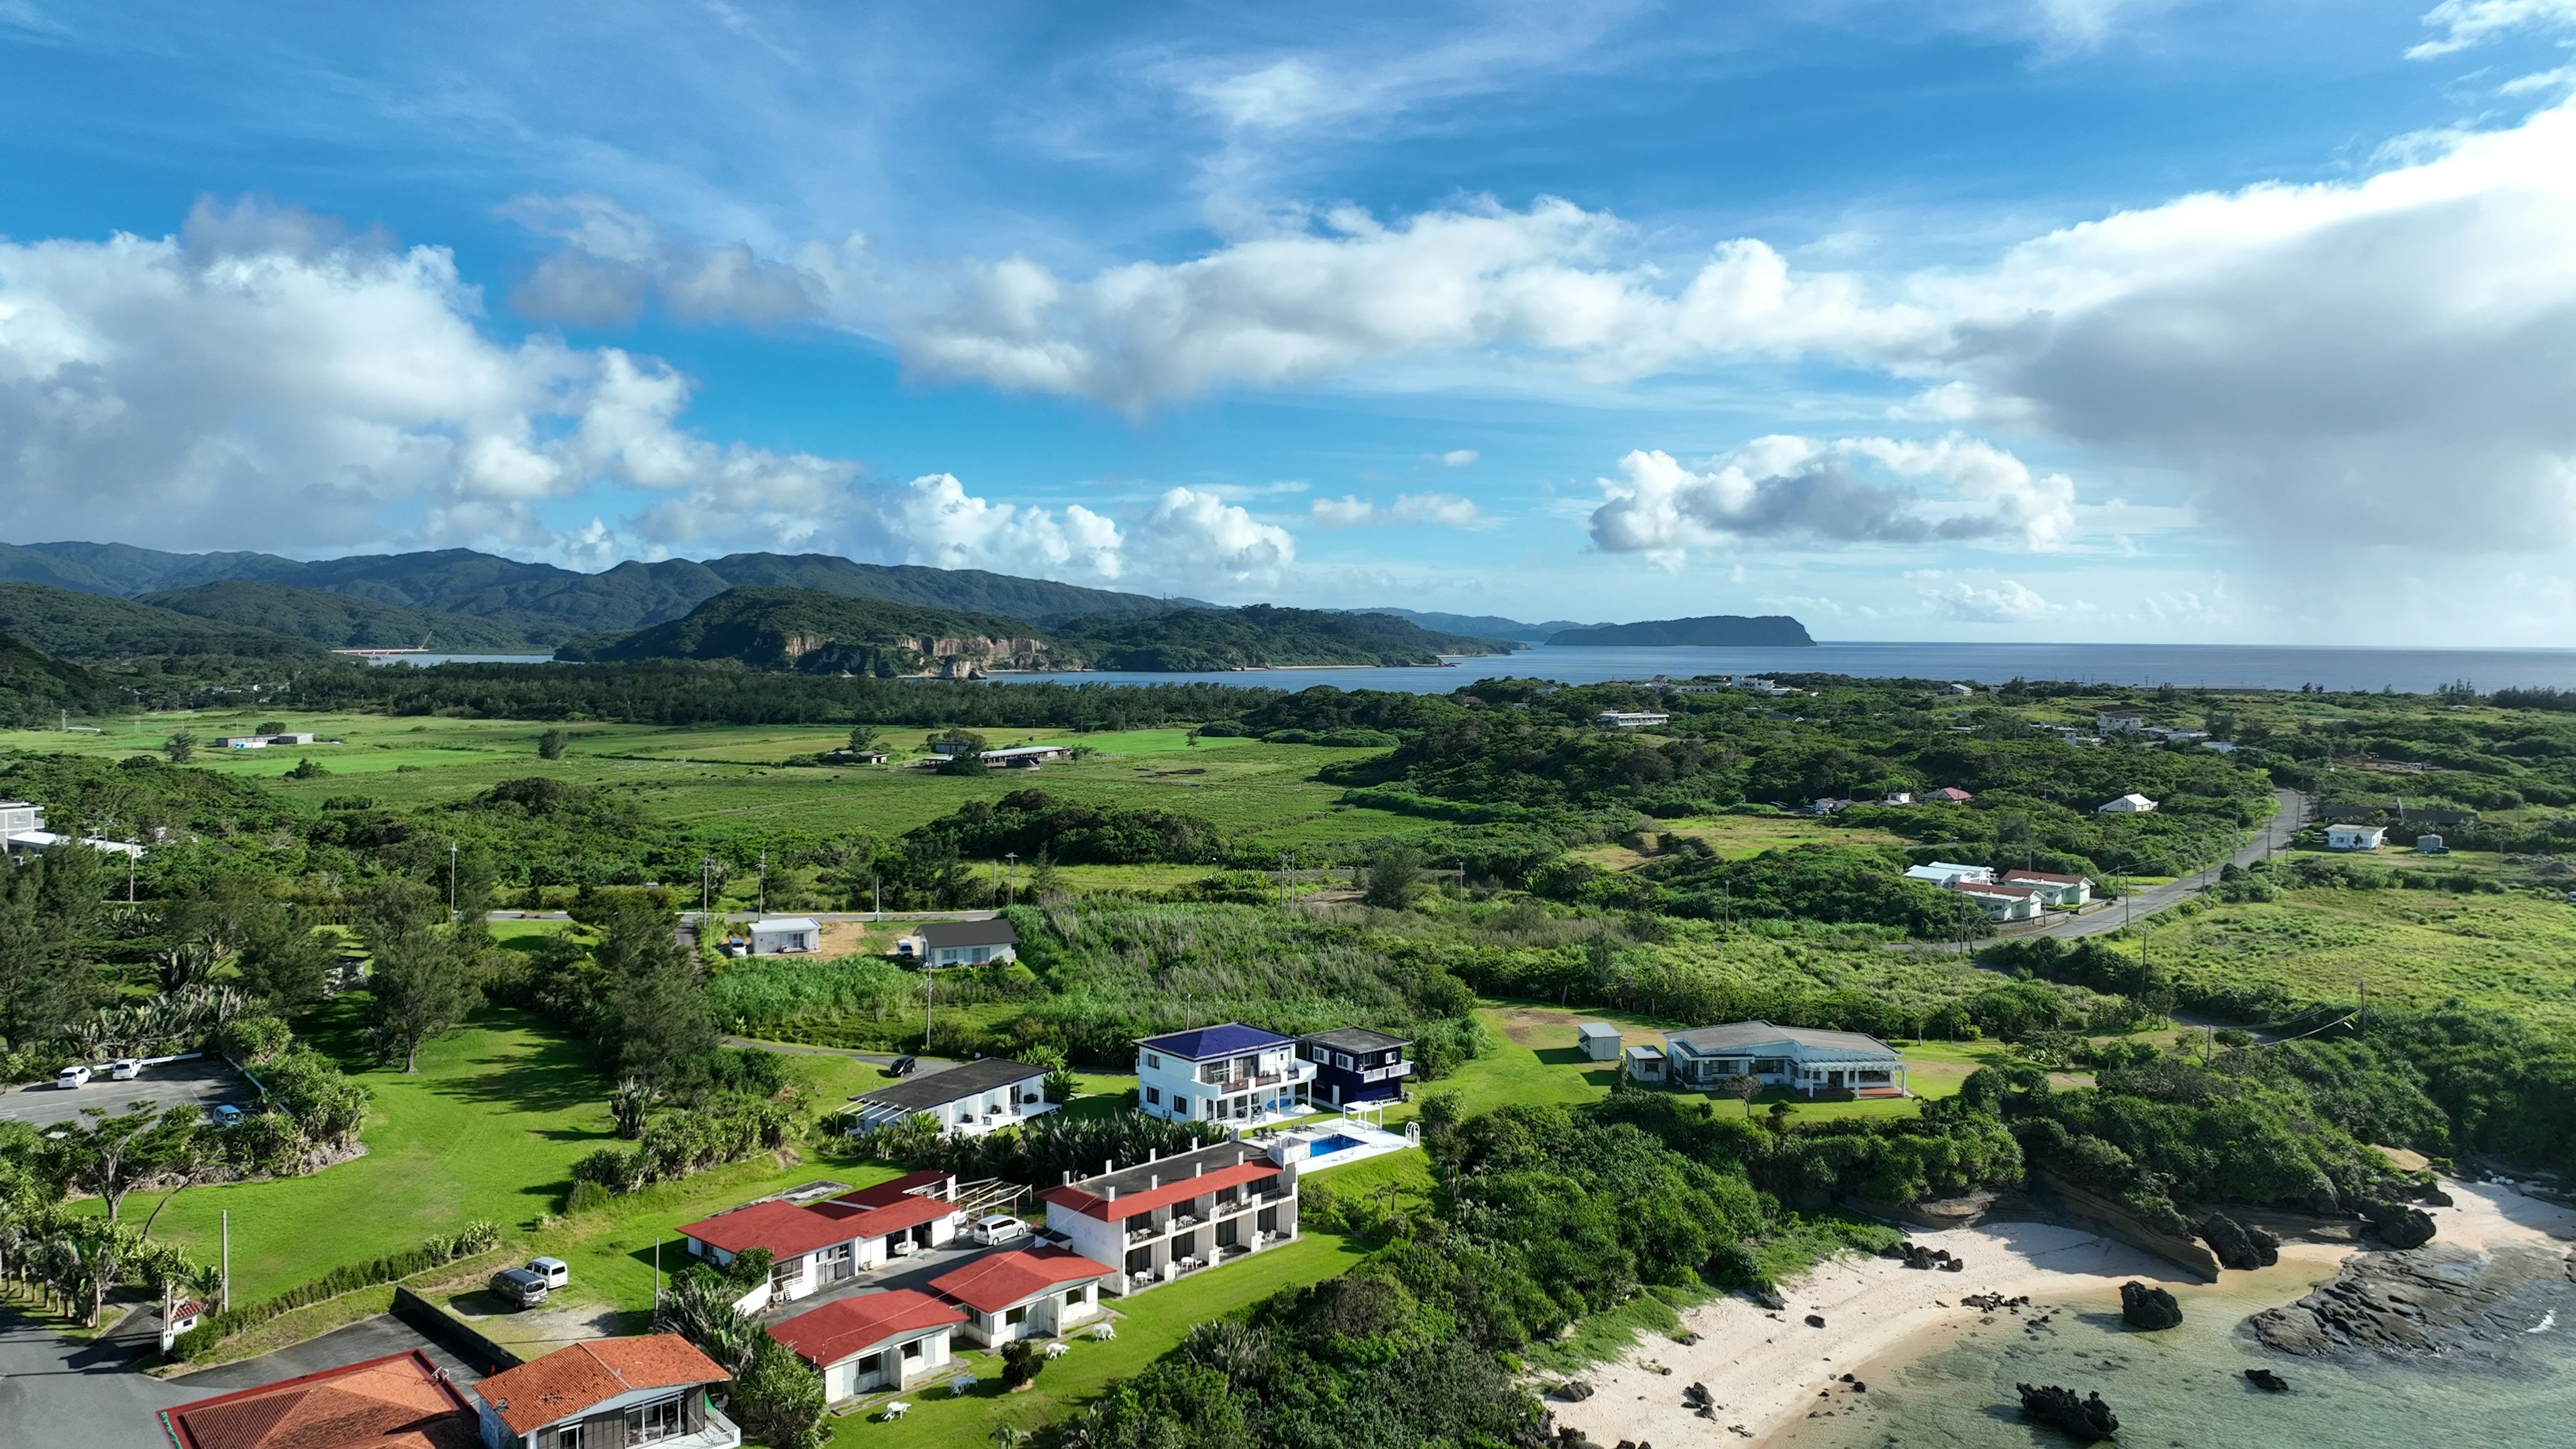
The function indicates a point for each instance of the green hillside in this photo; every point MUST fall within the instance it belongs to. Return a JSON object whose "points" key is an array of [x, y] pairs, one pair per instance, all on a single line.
{"points": [[1720, 631], [971, 591], [818, 633], [1261, 635], [123, 571], [338, 621], [35, 687], [69, 625]]}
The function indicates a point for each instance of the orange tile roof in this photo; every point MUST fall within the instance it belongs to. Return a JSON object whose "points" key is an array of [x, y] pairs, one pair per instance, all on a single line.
{"points": [[999, 1281], [400, 1401], [571, 1381], [849, 1327], [1179, 1189]]}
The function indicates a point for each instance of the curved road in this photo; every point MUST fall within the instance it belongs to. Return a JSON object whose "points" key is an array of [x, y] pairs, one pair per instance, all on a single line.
{"points": [[2274, 835]]}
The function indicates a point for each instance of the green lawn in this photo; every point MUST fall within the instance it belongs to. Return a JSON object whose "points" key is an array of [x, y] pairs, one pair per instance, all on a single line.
{"points": [[1150, 1325]]}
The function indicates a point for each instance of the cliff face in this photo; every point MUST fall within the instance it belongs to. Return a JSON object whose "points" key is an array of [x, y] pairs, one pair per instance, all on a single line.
{"points": [[954, 656]]}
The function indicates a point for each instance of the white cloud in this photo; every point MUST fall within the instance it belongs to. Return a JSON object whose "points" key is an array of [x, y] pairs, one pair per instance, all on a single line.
{"points": [[2007, 601], [1447, 510], [1458, 457], [1194, 537], [612, 262], [1786, 488], [938, 523], [2465, 23]]}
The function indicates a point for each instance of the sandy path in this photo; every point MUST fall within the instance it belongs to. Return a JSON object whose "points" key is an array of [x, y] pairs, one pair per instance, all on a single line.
{"points": [[1766, 1370]]}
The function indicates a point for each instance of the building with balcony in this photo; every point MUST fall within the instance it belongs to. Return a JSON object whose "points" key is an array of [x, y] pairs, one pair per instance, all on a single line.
{"points": [[1172, 1216], [1233, 1074], [818, 1245], [1354, 1064], [969, 1099]]}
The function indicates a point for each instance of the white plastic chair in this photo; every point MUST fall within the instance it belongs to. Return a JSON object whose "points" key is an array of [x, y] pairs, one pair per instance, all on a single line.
{"points": [[897, 1409], [961, 1387]]}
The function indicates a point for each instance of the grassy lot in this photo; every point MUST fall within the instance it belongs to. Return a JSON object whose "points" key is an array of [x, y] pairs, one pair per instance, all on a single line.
{"points": [[2516, 952], [1263, 794], [1149, 1326]]}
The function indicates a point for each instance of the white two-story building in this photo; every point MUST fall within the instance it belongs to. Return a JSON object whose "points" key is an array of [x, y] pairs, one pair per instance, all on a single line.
{"points": [[1234, 1074], [1172, 1216]]}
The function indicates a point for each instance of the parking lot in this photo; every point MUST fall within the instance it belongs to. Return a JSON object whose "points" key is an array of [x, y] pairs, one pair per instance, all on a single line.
{"points": [[205, 1081]]}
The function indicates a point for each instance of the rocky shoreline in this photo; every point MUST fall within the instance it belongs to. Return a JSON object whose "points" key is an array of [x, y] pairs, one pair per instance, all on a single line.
{"points": [[2438, 1300]]}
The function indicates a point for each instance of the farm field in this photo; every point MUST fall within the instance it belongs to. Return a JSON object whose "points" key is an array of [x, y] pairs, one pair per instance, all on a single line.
{"points": [[1257, 794], [2514, 952]]}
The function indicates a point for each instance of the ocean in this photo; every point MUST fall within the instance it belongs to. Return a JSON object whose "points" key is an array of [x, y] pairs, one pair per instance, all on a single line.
{"points": [[2184, 1389], [2410, 671]]}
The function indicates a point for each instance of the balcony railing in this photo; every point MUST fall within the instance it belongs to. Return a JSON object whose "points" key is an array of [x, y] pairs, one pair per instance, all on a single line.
{"points": [[1381, 1074]]}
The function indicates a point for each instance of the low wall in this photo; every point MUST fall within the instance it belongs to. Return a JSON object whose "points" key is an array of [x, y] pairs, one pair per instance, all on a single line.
{"points": [[452, 1333]]}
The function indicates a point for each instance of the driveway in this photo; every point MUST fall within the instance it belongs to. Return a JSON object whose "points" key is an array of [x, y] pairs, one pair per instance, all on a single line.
{"points": [[64, 1395], [200, 1083]]}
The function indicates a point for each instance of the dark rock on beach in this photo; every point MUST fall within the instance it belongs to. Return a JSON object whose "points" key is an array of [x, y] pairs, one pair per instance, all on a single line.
{"points": [[2145, 1306], [2266, 1380], [2432, 1300], [1768, 1296], [2399, 1225], [2087, 1418], [1572, 1391], [2237, 1247]]}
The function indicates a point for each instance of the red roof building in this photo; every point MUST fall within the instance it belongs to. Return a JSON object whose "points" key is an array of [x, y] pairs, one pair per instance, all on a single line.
{"points": [[873, 1342], [1178, 1189], [607, 1375], [1031, 1293], [400, 1401], [815, 1245]]}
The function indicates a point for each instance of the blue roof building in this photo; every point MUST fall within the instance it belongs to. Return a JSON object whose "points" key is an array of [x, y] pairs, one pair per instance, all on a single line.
{"points": [[1233, 1074]]}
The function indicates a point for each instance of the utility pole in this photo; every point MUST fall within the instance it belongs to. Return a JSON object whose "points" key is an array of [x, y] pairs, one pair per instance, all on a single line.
{"points": [[227, 1304], [657, 1273], [1011, 891], [763, 907], [876, 895], [451, 882], [2361, 1017], [706, 895]]}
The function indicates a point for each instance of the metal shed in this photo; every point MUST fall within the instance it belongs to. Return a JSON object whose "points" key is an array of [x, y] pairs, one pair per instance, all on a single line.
{"points": [[1599, 1040]]}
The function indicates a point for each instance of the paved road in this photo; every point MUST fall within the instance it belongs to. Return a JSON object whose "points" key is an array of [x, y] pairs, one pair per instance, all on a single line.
{"points": [[171, 1084], [63, 1395], [2275, 834]]}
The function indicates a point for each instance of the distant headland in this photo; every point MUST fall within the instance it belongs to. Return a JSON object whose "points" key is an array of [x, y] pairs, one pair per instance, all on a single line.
{"points": [[1767, 631]]}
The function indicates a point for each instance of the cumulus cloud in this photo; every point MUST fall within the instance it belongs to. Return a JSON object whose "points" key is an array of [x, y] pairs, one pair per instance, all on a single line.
{"points": [[2008, 601], [1189, 535], [1447, 510], [342, 384], [938, 523], [612, 262], [2465, 23], [1458, 457], [1793, 489]]}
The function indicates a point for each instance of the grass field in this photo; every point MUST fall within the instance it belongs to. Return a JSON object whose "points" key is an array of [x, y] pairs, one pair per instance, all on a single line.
{"points": [[2513, 952], [1257, 794]]}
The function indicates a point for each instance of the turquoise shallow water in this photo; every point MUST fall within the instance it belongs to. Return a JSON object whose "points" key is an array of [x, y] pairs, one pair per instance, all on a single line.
{"points": [[2184, 1389]]}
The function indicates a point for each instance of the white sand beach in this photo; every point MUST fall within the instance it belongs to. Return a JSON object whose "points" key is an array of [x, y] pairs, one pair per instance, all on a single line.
{"points": [[1768, 1372]]}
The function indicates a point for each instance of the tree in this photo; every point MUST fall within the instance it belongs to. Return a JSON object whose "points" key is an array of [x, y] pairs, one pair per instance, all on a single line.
{"points": [[1020, 1363], [779, 1397], [271, 727], [862, 737], [307, 769], [181, 747], [282, 960], [656, 1019], [970, 742], [1044, 882], [550, 745], [1394, 878], [421, 987], [1744, 1087], [112, 1153], [48, 908]]}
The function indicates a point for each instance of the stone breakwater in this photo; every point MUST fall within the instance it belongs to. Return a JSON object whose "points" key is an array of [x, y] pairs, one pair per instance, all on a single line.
{"points": [[2436, 1300]]}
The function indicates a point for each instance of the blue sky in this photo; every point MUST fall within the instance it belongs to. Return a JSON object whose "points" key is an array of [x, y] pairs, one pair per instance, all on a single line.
{"points": [[2064, 320]]}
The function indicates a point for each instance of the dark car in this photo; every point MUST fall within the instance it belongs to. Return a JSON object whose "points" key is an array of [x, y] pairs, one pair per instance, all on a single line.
{"points": [[518, 1287], [902, 1066]]}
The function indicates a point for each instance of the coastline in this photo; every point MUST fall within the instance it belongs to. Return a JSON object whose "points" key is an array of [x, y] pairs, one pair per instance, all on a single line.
{"points": [[1767, 1371]]}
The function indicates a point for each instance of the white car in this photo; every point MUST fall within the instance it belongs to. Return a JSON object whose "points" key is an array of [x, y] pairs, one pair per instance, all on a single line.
{"points": [[72, 1076], [124, 1069], [999, 1228], [555, 1271]]}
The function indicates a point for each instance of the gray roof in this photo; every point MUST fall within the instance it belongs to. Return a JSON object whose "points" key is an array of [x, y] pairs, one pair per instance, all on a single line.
{"points": [[995, 932], [1590, 1029], [936, 1089], [1745, 1036], [1355, 1039]]}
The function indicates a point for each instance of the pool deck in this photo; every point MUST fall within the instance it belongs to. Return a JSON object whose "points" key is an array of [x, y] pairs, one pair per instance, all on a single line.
{"points": [[1369, 1142]]}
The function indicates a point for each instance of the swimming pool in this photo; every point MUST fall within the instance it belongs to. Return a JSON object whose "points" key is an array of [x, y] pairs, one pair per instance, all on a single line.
{"points": [[1327, 1146]]}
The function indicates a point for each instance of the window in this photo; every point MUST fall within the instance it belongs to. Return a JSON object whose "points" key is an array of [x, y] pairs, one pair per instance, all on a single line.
{"points": [[1153, 1062], [1342, 1060], [657, 1420], [912, 1350], [561, 1436], [1153, 1096], [1015, 1316], [1180, 1104], [785, 1273]]}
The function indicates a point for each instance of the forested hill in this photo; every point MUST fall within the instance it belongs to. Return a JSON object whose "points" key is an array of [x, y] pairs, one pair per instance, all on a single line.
{"points": [[1261, 636], [78, 626], [812, 632], [1764, 631], [340, 621], [1478, 626], [33, 686], [547, 605]]}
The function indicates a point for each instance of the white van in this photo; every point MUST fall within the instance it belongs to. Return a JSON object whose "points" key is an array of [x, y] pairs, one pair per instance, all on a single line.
{"points": [[997, 1229], [74, 1075], [124, 1069], [555, 1271]]}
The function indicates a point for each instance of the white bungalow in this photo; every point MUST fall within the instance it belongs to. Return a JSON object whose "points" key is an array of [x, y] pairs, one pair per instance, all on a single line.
{"points": [[1946, 873], [2130, 804], [1803, 1059], [2356, 837], [969, 1099], [1031, 1293], [1630, 719], [786, 936], [2002, 903], [874, 1342], [818, 1245], [2062, 891]]}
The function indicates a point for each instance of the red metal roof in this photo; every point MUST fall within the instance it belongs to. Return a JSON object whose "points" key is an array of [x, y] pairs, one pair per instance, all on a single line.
{"points": [[787, 1230], [399, 1401], [849, 1327], [1179, 1189], [886, 1194], [1000, 1281], [572, 1381]]}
